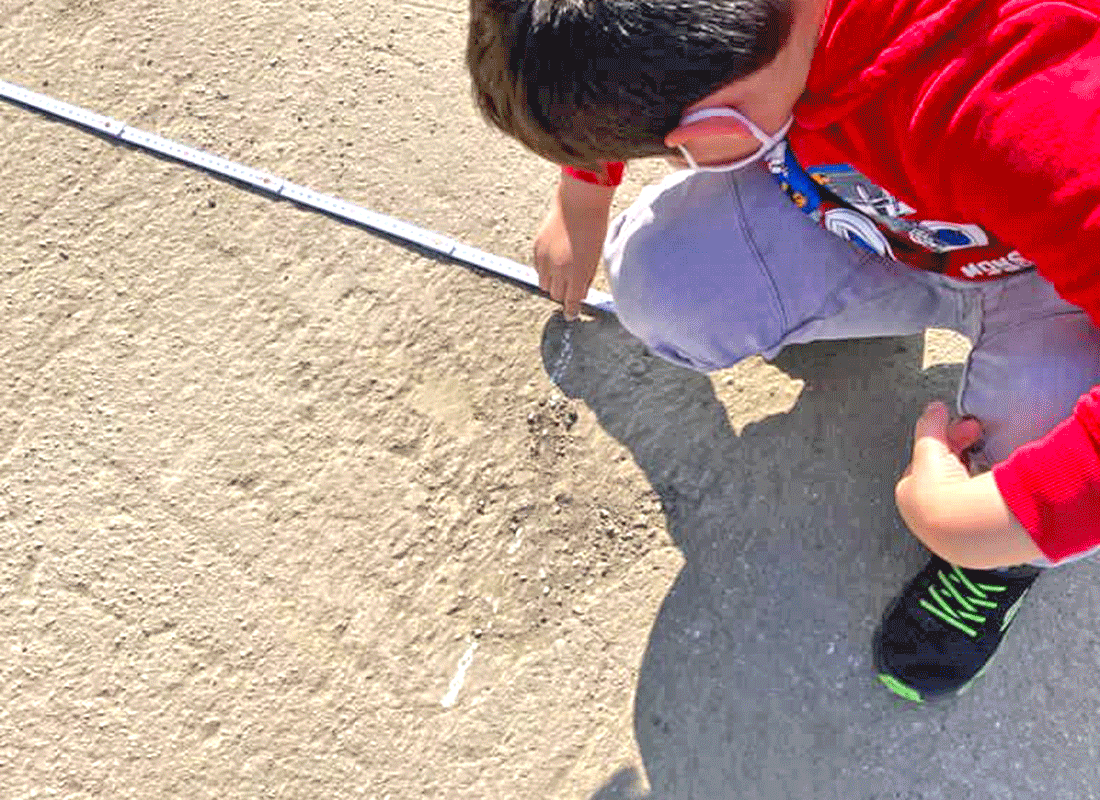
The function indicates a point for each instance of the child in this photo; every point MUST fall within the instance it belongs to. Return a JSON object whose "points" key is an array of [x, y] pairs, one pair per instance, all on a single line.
{"points": [[940, 169]]}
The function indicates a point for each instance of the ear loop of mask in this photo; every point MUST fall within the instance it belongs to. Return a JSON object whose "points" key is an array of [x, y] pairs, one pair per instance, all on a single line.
{"points": [[767, 143]]}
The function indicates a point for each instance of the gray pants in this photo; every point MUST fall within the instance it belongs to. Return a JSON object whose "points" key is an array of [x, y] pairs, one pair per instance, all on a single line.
{"points": [[707, 269]]}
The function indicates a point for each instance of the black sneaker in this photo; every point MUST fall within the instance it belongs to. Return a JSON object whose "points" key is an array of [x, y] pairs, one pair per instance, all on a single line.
{"points": [[938, 636]]}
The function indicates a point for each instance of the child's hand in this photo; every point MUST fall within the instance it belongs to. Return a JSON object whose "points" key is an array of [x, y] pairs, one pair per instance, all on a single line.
{"points": [[960, 518], [940, 445], [570, 240]]}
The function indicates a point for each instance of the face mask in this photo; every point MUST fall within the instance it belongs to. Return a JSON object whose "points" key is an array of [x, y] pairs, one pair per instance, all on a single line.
{"points": [[767, 143]]}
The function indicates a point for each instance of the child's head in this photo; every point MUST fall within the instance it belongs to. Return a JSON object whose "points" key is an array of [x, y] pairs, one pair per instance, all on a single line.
{"points": [[583, 81]]}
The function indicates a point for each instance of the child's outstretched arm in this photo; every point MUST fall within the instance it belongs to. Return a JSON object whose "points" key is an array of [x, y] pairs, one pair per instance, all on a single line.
{"points": [[570, 240]]}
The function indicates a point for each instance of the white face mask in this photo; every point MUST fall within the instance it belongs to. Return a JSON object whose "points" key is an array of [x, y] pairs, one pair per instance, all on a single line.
{"points": [[767, 143]]}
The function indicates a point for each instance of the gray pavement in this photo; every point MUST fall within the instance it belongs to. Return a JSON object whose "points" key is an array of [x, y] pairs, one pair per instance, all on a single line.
{"points": [[756, 682]]}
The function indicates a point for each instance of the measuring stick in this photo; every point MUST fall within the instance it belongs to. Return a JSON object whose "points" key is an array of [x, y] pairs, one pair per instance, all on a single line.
{"points": [[278, 187]]}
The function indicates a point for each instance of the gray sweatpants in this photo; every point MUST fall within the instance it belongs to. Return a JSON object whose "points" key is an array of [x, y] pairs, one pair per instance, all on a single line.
{"points": [[709, 268]]}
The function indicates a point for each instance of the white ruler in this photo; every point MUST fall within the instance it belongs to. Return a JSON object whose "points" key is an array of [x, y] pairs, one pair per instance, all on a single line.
{"points": [[278, 187]]}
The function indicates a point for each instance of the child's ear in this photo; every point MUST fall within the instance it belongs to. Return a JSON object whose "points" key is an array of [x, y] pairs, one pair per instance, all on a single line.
{"points": [[704, 128]]}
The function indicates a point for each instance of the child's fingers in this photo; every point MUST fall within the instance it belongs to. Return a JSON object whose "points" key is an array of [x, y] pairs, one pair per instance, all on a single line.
{"points": [[957, 435], [557, 286], [932, 425], [929, 437], [543, 272], [542, 266], [572, 304], [963, 434], [576, 289], [933, 460]]}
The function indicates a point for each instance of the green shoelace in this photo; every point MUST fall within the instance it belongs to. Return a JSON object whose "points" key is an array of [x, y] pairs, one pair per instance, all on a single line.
{"points": [[958, 600]]}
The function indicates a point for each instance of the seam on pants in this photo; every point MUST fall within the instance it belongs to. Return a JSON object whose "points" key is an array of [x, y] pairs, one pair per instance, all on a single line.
{"points": [[760, 263], [974, 308]]}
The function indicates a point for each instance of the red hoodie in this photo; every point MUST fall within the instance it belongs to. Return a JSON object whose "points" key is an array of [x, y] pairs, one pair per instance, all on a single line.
{"points": [[969, 132]]}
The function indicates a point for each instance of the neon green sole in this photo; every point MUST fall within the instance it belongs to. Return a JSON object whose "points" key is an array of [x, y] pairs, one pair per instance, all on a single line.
{"points": [[899, 688]]}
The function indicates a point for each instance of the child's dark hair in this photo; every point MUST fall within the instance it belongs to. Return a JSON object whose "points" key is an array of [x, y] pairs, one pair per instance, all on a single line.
{"points": [[585, 81]]}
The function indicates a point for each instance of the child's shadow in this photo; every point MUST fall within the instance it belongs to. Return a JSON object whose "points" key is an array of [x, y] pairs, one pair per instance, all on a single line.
{"points": [[757, 681]]}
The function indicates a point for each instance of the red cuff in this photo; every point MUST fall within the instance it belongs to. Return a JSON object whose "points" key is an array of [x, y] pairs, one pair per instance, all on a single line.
{"points": [[612, 174], [1053, 485]]}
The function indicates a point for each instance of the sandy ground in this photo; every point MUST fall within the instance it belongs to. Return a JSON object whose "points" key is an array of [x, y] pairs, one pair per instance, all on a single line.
{"points": [[288, 510]]}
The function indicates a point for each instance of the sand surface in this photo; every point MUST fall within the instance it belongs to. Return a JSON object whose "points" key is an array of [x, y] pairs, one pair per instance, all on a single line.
{"points": [[288, 510]]}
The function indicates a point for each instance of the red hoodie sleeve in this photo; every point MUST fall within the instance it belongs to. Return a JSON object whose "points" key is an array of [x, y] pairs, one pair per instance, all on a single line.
{"points": [[1023, 143], [1021, 151], [1053, 485], [612, 174]]}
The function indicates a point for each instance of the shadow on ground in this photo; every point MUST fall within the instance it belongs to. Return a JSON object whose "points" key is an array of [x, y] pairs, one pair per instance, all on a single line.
{"points": [[757, 682]]}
